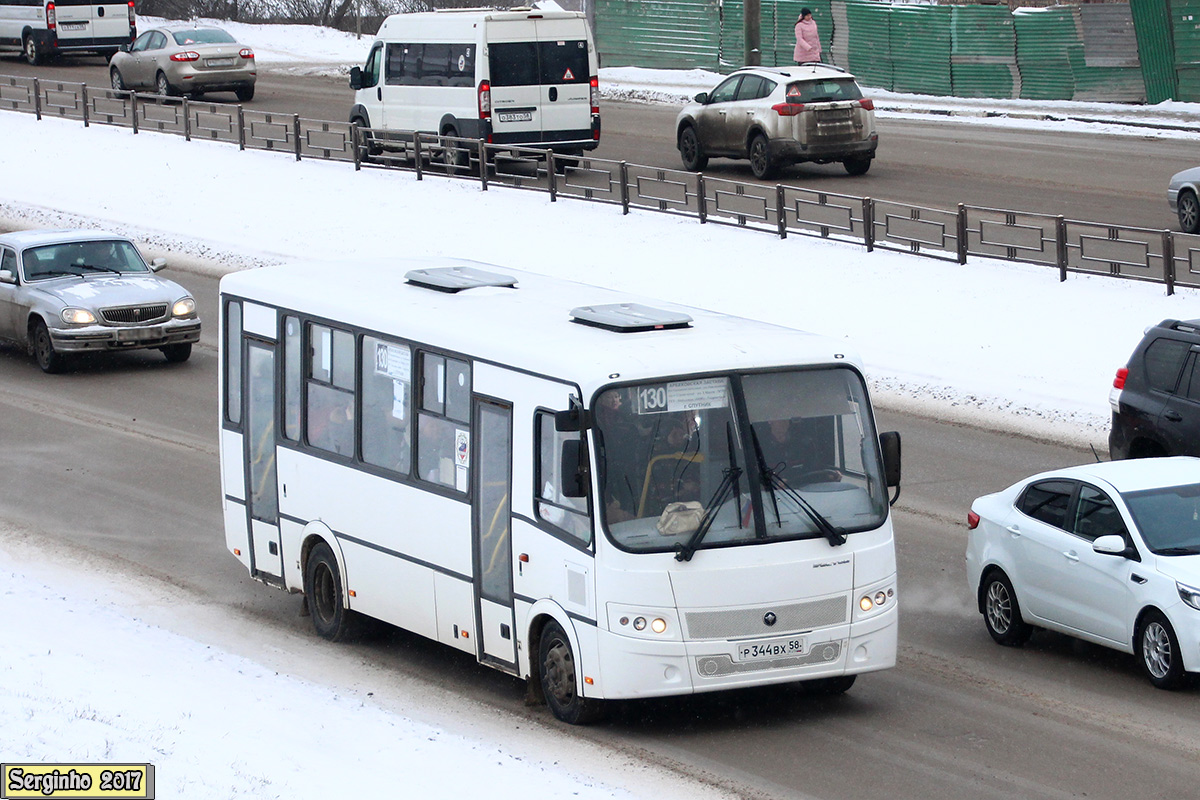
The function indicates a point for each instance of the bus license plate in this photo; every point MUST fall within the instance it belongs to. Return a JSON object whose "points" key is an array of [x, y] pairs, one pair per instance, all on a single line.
{"points": [[515, 116], [772, 648]]}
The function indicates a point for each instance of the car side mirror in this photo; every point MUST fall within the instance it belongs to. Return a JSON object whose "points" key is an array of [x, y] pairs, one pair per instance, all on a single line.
{"points": [[356, 78], [702, 98], [124, 48], [157, 264], [7, 276], [571, 468], [1113, 545]]}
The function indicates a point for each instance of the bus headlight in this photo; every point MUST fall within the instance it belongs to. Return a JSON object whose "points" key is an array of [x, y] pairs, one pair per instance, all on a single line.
{"points": [[642, 623], [877, 599]]}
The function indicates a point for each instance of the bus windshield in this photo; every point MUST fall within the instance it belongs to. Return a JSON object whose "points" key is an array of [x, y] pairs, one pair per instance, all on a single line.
{"points": [[738, 459]]}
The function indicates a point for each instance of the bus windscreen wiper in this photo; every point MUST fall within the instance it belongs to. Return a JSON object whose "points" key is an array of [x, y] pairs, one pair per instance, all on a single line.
{"points": [[684, 552], [774, 481]]}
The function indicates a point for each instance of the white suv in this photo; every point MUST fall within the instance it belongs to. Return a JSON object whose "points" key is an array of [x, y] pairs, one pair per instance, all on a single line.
{"points": [[776, 116]]}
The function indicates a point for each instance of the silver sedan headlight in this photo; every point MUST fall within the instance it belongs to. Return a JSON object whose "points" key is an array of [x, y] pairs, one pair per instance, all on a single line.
{"points": [[78, 316], [1189, 594], [184, 308]]}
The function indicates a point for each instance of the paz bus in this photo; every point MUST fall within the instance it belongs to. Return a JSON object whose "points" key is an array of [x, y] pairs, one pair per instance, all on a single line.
{"points": [[604, 495]]}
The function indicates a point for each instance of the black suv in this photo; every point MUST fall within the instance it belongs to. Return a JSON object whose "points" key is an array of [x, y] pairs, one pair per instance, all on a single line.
{"points": [[1155, 399]]}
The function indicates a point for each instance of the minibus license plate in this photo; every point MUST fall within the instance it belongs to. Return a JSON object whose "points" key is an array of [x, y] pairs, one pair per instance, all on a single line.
{"points": [[772, 648], [515, 116], [72, 26]]}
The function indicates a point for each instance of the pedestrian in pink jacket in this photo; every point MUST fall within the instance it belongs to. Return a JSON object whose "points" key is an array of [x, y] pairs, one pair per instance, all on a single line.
{"points": [[808, 41]]}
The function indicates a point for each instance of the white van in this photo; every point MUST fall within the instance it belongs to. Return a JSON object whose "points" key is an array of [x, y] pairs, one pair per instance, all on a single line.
{"points": [[40, 29], [522, 78]]}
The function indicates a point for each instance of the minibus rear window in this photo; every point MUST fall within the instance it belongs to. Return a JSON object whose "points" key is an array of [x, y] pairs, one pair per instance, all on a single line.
{"points": [[534, 63]]}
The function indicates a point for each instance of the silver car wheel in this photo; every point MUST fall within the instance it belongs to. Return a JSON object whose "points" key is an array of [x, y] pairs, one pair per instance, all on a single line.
{"points": [[998, 607], [1156, 650], [1189, 212]]}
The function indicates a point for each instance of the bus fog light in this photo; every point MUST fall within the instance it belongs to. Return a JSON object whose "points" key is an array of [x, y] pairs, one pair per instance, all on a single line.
{"points": [[624, 620], [659, 625], [880, 598], [866, 604], [639, 624]]}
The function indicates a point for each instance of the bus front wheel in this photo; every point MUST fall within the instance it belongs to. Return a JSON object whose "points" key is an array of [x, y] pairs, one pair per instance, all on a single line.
{"points": [[557, 661], [323, 592]]}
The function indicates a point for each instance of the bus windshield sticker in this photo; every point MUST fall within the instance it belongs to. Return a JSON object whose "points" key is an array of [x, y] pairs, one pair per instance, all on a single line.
{"points": [[462, 448], [683, 396], [399, 393], [393, 361]]}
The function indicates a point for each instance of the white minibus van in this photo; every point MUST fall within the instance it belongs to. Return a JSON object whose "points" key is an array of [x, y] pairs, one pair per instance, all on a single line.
{"points": [[42, 29], [521, 78], [608, 496]]}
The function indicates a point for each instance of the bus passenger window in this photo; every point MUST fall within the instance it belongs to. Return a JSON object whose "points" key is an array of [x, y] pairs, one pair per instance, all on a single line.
{"points": [[293, 376], [443, 426], [387, 404], [569, 514], [233, 362], [329, 417]]}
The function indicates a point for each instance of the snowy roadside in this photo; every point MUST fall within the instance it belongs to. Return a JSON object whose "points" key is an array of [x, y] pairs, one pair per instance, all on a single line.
{"points": [[103, 665]]}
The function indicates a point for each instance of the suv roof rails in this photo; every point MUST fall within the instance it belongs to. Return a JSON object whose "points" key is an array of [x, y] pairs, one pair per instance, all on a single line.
{"points": [[1188, 325]]}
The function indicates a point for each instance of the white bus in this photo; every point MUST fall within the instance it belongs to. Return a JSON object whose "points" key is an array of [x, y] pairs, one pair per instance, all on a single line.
{"points": [[607, 496], [40, 29]]}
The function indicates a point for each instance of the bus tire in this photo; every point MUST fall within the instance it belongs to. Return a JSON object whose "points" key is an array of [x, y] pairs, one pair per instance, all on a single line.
{"points": [[324, 593], [557, 662], [831, 686]]}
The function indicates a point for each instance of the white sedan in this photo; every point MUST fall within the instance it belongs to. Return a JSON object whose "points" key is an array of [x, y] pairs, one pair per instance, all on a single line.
{"points": [[1106, 552]]}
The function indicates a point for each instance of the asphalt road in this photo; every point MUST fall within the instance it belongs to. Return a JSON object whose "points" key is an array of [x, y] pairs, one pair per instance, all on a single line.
{"points": [[119, 457], [936, 163]]}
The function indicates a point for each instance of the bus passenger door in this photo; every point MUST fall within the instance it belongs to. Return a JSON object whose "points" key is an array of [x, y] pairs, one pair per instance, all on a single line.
{"points": [[492, 532], [262, 499]]}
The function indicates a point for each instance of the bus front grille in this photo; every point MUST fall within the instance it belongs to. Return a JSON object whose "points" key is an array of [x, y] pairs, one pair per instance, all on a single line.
{"points": [[789, 618]]}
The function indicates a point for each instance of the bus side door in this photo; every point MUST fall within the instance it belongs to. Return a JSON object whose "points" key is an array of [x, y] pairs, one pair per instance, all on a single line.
{"points": [[491, 535]]}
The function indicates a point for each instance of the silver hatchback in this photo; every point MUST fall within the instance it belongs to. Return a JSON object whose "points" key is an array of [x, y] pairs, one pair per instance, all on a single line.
{"points": [[75, 291], [780, 116], [185, 61]]}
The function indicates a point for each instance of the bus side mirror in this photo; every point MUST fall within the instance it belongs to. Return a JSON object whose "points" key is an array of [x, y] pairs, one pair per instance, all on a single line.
{"points": [[356, 78], [889, 444], [571, 468], [573, 420]]}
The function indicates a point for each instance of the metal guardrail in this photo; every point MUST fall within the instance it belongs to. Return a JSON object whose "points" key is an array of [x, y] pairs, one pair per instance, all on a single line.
{"points": [[1070, 246]]}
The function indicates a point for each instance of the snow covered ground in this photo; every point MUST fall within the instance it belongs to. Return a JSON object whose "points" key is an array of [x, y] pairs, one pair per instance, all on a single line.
{"points": [[96, 669]]}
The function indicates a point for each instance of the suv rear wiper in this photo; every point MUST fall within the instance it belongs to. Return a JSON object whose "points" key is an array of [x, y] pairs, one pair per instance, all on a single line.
{"points": [[774, 481]]}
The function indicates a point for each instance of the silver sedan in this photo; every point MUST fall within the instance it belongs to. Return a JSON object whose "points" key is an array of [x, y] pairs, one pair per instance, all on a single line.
{"points": [[185, 61], [1182, 194], [77, 291]]}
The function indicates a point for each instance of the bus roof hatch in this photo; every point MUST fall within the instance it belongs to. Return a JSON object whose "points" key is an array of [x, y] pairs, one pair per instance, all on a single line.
{"points": [[629, 317], [456, 279]]}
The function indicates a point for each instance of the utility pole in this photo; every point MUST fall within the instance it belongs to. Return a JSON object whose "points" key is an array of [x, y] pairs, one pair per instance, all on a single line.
{"points": [[752, 24]]}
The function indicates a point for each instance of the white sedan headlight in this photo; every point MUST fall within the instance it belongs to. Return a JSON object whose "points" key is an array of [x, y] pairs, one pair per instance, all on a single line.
{"points": [[78, 316], [184, 308], [1189, 594]]}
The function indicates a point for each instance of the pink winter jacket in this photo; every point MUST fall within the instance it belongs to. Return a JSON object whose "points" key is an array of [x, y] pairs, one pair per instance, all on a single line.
{"points": [[808, 42]]}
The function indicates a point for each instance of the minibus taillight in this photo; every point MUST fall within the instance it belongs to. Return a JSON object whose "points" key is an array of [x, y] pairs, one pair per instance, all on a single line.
{"points": [[246, 52], [51, 18], [867, 103], [595, 81], [132, 14], [485, 100], [186, 55], [972, 520], [1119, 381]]}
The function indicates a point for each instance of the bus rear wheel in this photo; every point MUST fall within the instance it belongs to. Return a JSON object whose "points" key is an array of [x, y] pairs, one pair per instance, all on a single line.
{"points": [[557, 661], [323, 592]]}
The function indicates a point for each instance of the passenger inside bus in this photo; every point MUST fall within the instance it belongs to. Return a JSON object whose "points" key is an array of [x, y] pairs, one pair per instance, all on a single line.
{"points": [[799, 450]]}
